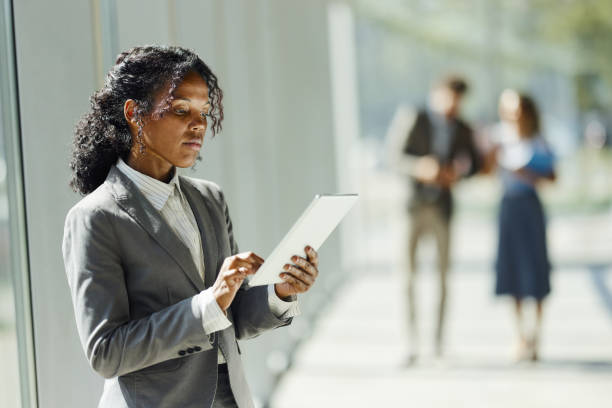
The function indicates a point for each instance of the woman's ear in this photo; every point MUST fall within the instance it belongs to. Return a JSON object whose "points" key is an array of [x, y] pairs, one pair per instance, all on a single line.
{"points": [[128, 112]]}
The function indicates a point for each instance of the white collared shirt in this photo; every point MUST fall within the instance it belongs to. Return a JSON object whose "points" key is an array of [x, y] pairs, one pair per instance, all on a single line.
{"points": [[170, 201]]}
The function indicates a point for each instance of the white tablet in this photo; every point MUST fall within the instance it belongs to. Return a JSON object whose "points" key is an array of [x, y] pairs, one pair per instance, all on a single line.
{"points": [[312, 228]]}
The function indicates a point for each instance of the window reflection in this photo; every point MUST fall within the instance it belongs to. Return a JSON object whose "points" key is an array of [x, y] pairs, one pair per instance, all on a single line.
{"points": [[9, 363]]}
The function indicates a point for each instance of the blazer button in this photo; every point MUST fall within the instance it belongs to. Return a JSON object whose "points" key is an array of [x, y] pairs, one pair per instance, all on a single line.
{"points": [[182, 353], [190, 350], [197, 348]]}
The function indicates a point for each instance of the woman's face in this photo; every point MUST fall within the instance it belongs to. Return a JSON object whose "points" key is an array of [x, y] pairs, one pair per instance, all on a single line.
{"points": [[509, 106], [175, 138]]}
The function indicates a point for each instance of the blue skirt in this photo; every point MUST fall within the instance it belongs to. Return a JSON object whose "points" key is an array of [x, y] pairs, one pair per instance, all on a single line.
{"points": [[522, 266]]}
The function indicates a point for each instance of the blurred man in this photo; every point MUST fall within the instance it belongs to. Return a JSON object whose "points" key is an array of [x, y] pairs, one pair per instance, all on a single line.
{"points": [[435, 149]]}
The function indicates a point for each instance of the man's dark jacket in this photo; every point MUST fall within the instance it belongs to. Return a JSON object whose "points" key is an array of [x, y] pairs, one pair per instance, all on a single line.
{"points": [[419, 142]]}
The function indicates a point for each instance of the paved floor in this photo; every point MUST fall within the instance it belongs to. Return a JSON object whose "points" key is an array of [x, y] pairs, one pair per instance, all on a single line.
{"points": [[354, 357], [355, 353]]}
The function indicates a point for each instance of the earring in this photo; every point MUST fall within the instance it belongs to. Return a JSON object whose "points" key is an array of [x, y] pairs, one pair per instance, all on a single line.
{"points": [[141, 146]]}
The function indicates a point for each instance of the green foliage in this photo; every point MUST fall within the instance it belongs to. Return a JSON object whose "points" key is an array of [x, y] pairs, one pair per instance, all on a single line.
{"points": [[585, 28]]}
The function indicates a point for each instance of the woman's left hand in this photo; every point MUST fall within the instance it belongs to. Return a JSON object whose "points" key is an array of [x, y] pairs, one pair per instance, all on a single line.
{"points": [[300, 275]]}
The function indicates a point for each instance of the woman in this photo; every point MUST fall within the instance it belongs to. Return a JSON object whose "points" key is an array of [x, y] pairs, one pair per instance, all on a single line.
{"points": [[522, 266], [155, 274]]}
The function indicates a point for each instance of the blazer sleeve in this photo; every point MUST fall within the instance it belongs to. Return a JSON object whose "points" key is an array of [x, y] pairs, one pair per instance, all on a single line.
{"points": [[114, 343], [250, 308]]}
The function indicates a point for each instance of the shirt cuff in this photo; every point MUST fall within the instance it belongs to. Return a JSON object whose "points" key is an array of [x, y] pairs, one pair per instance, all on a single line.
{"points": [[212, 317], [280, 308]]}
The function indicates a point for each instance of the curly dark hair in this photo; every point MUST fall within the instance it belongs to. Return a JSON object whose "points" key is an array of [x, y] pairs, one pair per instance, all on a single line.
{"points": [[103, 135]]}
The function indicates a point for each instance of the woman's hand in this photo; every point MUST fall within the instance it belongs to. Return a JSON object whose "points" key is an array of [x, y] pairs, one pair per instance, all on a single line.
{"points": [[233, 272], [299, 276]]}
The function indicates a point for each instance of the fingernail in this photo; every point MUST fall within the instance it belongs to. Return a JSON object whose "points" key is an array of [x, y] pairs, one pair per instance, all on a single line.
{"points": [[286, 266], [294, 258]]}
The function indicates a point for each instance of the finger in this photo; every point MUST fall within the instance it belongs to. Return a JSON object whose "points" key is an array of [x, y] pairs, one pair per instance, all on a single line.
{"points": [[305, 265], [299, 274], [238, 273], [242, 263], [313, 256], [252, 257], [233, 278], [237, 277], [237, 281], [296, 284]]}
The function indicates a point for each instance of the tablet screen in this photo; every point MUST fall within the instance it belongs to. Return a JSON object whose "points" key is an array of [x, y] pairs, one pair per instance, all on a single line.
{"points": [[313, 227]]}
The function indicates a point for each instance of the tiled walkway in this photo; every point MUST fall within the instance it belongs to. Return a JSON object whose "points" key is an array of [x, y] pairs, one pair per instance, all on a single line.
{"points": [[354, 356]]}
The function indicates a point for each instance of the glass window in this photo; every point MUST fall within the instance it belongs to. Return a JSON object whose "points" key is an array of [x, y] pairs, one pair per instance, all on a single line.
{"points": [[17, 371], [9, 360]]}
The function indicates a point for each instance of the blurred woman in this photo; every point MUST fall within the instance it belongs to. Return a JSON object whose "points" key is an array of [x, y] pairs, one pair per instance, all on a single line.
{"points": [[524, 159]]}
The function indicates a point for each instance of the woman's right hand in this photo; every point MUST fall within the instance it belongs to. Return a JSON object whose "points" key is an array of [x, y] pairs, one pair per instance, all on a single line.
{"points": [[233, 272]]}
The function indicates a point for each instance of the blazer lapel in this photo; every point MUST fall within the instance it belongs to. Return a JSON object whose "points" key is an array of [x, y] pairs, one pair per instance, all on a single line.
{"points": [[202, 213], [131, 200]]}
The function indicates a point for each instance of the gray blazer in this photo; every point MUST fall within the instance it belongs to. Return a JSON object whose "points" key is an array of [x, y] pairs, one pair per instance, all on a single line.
{"points": [[133, 283]]}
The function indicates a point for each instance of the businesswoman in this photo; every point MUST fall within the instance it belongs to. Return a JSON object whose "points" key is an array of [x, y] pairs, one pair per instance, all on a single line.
{"points": [[524, 160], [153, 268]]}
